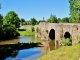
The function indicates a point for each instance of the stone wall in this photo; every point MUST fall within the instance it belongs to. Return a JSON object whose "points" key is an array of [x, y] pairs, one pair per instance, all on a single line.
{"points": [[27, 27], [60, 30]]}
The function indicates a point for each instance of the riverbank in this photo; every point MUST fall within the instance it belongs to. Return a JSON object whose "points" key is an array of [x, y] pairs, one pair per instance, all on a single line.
{"points": [[63, 53], [26, 33]]}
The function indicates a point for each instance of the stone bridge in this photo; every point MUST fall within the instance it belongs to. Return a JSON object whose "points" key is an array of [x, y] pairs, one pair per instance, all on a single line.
{"points": [[57, 31]]}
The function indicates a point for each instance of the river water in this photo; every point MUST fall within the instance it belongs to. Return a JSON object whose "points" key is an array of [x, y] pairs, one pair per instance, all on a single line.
{"points": [[31, 53]]}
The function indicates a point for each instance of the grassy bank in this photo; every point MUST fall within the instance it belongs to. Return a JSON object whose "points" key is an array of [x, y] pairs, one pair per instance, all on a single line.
{"points": [[26, 33], [63, 53]]}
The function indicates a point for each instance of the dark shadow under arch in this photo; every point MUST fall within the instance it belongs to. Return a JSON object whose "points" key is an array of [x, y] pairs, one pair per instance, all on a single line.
{"points": [[52, 34], [67, 35]]}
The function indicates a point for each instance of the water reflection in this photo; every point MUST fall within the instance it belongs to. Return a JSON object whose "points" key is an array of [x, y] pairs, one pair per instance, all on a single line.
{"points": [[20, 50], [27, 54], [48, 46], [23, 53], [15, 41], [24, 39], [4, 55], [14, 53]]}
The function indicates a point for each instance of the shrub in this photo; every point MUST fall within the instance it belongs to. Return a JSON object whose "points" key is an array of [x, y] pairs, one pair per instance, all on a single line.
{"points": [[10, 31], [32, 28], [66, 42], [37, 29]]}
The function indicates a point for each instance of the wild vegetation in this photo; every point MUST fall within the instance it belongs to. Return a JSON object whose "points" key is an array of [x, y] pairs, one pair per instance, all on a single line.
{"points": [[66, 42], [63, 53], [9, 24]]}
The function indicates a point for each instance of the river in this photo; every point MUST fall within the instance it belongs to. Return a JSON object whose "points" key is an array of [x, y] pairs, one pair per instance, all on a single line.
{"points": [[31, 53]]}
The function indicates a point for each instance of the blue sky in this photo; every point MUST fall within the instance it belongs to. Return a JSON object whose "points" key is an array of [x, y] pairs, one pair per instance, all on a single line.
{"points": [[38, 9]]}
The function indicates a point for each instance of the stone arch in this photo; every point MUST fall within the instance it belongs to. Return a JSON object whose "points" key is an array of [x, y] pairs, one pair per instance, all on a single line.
{"points": [[67, 35], [52, 34]]}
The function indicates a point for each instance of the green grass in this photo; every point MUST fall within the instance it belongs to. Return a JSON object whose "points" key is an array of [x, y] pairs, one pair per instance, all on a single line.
{"points": [[26, 33], [63, 53]]}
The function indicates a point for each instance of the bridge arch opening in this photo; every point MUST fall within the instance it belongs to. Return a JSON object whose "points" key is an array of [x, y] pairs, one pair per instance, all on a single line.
{"points": [[52, 34], [67, 35]]}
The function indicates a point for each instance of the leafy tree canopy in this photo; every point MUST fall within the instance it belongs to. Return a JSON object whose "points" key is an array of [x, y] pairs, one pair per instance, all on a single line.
{"points": [[12, 18], [65, 20], [1, 19], [33, 21], [74, 11], [52, 19]]}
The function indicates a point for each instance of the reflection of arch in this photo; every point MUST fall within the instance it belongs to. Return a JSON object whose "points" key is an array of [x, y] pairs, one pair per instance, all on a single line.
{"points": [[52, 45], [67, 35], [52, 34]]}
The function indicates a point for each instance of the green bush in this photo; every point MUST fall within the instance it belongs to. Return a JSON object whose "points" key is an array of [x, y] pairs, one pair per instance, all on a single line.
{"points": [[32, 28], [38, 30], [10, 31], [66, 42]]}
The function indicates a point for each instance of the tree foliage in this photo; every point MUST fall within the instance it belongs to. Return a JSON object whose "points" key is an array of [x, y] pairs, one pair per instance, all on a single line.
{"points": [[8, 25], [59, 20], [22, 20], [10, 31], [12, 18], [74, 11], [1, 20], [33, 21], [27, 22], [65, 20], [52, 19]]}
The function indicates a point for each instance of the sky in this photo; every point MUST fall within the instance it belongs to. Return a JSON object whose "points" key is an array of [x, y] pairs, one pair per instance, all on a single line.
{"points": [[38, 9]]}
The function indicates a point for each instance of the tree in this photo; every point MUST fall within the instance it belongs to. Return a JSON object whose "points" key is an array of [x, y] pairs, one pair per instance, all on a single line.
{"points": [[12, 18], [1, 23], [52, 19], [8, 25], [65, 20], [27, 22], [22, 21], [33, 21], [74, 11], [59, 20], [1, 20], [38, 21], [10, 31]]}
